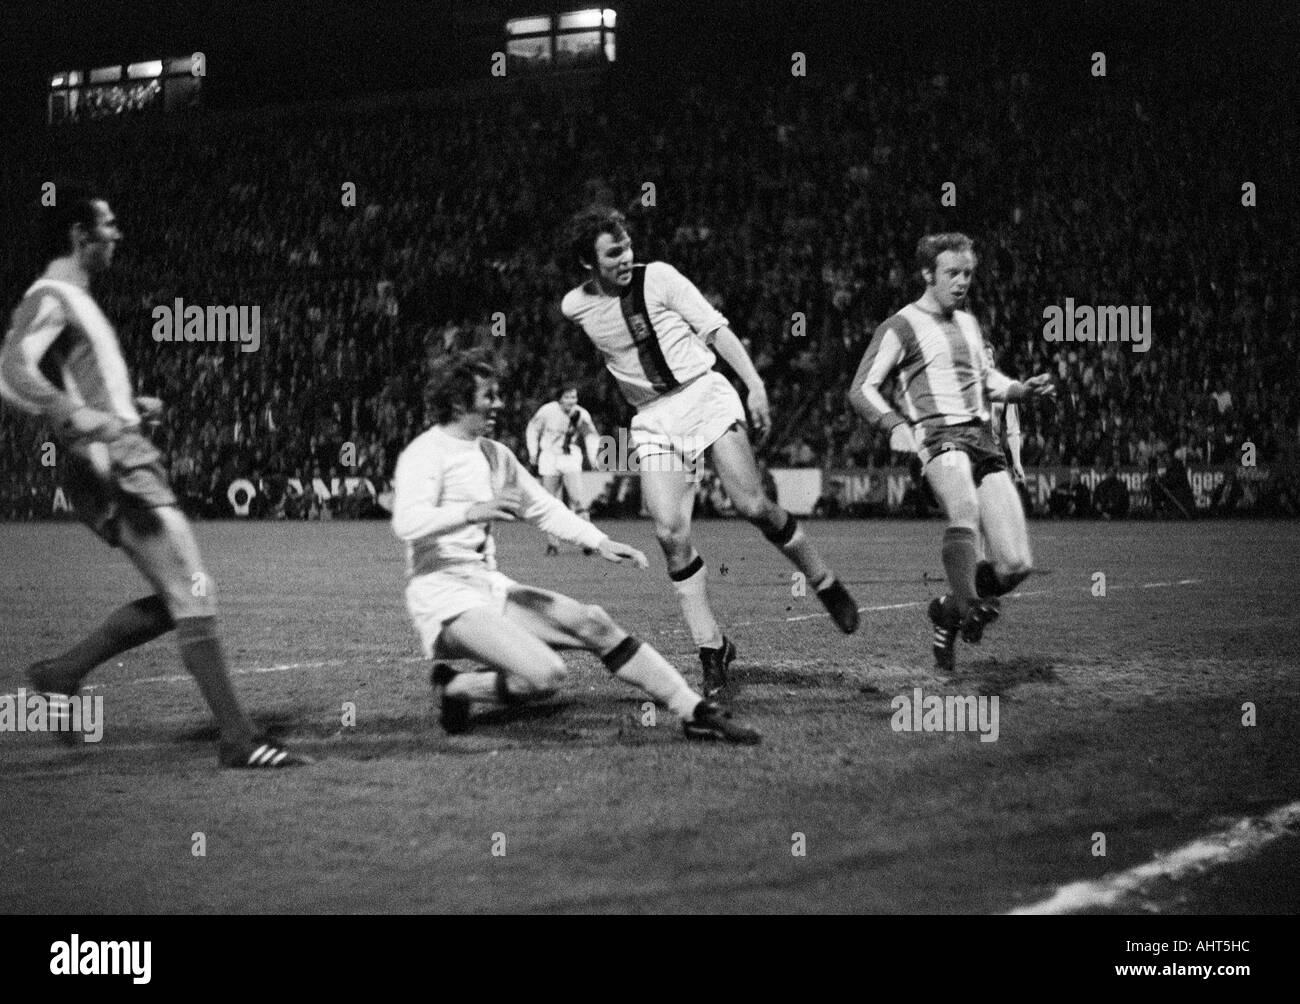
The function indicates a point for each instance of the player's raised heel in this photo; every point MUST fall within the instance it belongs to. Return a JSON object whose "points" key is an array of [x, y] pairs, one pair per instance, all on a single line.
{"points": [[946, 624], [260, 754], [44, 678], [981, 614], [711, 722], [843, 608], [454, 714], [715, 662]]}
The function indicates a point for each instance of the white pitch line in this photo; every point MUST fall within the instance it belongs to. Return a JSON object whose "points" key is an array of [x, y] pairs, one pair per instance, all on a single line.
{"points": [[1244, 839], [286, 667]]}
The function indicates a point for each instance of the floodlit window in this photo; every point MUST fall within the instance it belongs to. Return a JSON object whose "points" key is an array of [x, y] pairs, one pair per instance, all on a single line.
{"points": [[579, 44], [571, 38], [536, 50], [57, 81], [152, 68], [528, 25], [181, 64], [105, 74], [580, 19]]}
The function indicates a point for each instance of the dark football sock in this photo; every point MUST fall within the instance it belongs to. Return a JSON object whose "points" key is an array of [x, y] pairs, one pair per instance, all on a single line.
{"points": [[959, 563], [201, 653], [126, 627]]}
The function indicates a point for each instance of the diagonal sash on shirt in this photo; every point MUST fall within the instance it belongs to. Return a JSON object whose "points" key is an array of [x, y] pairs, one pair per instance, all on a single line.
{"points": [[648, 349]]}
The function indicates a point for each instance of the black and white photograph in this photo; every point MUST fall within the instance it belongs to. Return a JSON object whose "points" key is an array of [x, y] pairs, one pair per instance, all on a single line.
{"points": [[724, 457]]}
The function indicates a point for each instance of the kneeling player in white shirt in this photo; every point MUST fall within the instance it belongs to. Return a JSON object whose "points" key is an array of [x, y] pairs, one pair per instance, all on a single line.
{"points": [[451, 484], [556, 435]]}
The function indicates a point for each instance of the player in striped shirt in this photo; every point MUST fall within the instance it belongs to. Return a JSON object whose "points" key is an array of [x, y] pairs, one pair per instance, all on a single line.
{"points": [[658, 336], [61, 361], [945, 384], [451, 484], [556, 436]]}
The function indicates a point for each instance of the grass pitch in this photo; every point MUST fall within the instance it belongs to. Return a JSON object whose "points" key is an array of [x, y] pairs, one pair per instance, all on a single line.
{"points": [[1119, 715]]}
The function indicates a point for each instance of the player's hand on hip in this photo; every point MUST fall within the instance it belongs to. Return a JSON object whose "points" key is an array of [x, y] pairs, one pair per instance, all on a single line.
{"points": [[901, 439], [506, 506], [760, 411], [1040, 386], [612, 550]]}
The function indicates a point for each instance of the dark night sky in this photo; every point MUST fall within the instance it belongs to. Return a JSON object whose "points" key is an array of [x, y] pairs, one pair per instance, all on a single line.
{"points": [[265, 50]]}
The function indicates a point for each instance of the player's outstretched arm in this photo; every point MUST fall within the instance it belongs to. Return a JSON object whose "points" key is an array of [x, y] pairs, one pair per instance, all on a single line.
{"points": [[1001, 387], [544, 511], [612, 550]]}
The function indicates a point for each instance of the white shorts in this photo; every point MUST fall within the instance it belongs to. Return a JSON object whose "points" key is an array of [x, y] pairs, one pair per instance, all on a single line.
{"points": [[435, 598], [558, 463], [687, 421]]}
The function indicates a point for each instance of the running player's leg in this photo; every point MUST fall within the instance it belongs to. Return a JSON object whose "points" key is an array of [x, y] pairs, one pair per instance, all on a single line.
{"points": [[572, 481], [1002, 518], [130, 625], [669, 497], [949, 475], [125, 628], [162, 546], [733, 459], [552, 482], [562, 622]]}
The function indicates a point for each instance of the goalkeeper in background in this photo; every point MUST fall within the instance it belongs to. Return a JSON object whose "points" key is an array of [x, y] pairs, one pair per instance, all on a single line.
{"points": [[556, 437]]}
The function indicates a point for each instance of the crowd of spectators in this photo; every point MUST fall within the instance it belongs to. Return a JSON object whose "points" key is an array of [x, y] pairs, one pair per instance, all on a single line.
{"points": [[803, 197]]}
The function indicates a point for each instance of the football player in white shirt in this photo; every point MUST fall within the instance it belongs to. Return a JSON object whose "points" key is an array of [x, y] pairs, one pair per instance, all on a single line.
{"points": [[556, 436], [451, 484], [658, 335], [61, 361]]}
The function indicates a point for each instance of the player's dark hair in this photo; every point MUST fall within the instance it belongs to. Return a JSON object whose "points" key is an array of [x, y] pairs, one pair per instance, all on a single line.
{"points": [[451, 392], [565, 388], [929, 247], [73, 204], [587, 225]]}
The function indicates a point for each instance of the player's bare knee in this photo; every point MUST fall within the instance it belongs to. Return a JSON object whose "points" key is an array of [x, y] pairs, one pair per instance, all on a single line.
{"points": [[963, 515], [674, 540], [595, 626], [550, 678], [755, 507]]}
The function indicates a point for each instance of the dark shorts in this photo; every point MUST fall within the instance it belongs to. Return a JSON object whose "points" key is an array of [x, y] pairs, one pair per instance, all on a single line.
{"points": [[136, 482], [974, 439]]}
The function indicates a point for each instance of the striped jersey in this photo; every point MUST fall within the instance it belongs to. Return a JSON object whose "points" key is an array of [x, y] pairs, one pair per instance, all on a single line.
{"points": [[439, 478], [552, 431], [61, 353], [655, 336], [940, 365]]}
